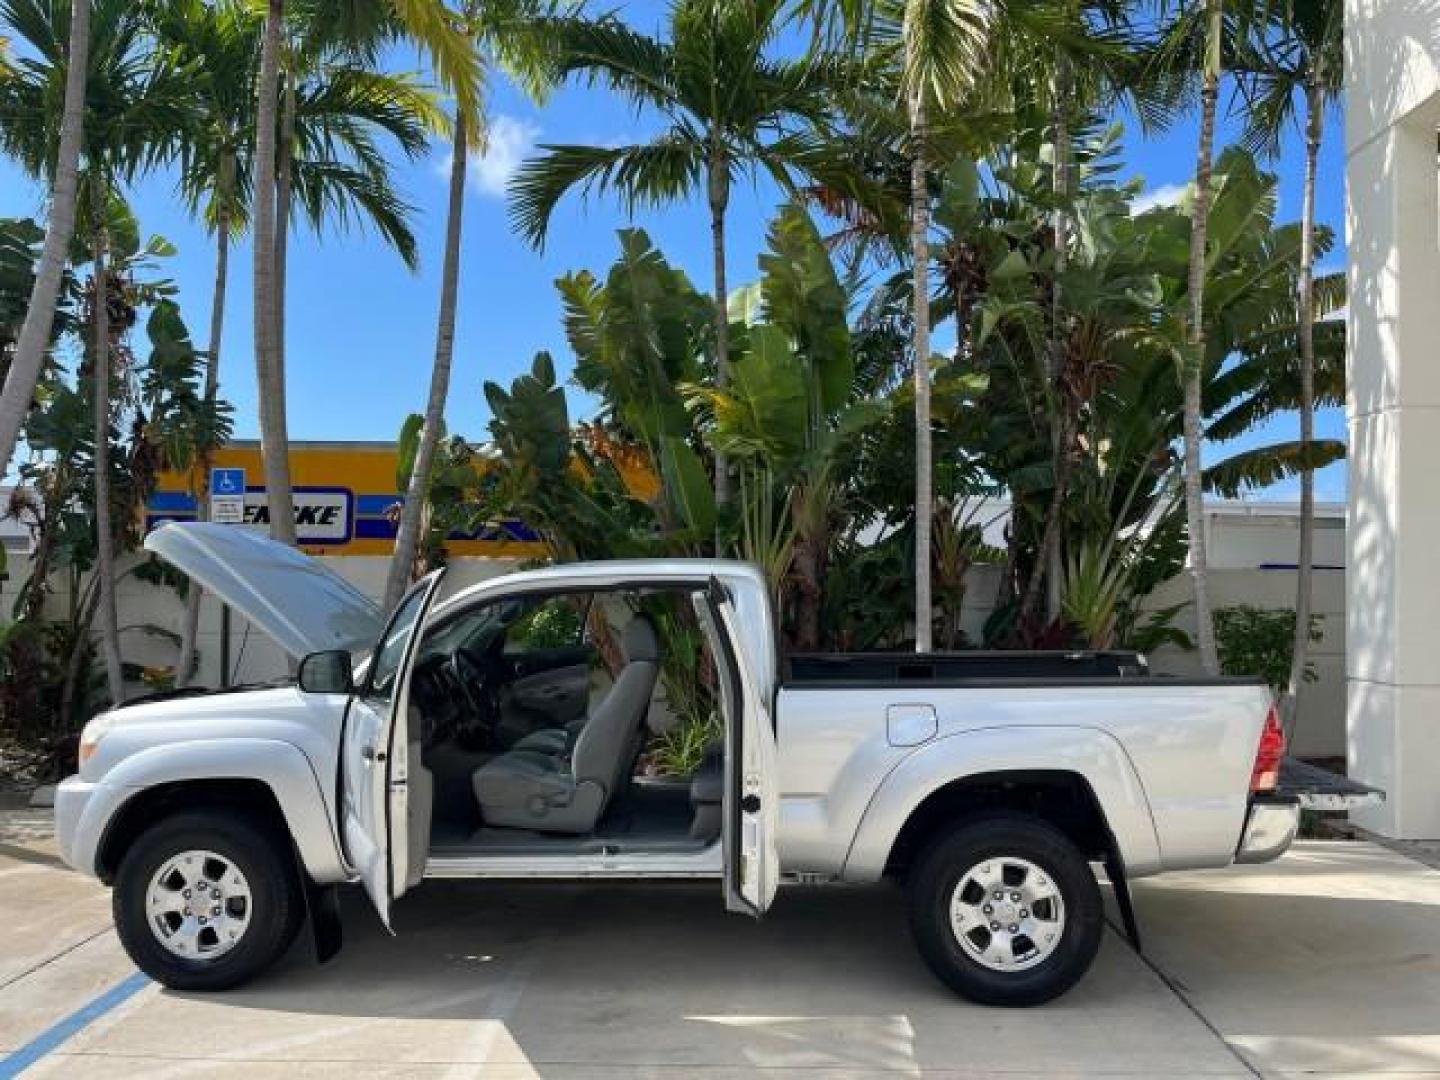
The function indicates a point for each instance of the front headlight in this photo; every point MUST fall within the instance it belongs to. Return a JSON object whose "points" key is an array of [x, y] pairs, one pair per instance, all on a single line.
{"points": [[93, 732]]}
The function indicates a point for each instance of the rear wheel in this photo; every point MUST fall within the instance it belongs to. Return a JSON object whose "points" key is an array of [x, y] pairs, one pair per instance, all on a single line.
{"points": [[206, 901], [1006, 911]]}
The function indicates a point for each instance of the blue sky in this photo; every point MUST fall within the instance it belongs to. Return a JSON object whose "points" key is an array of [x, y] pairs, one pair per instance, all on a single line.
{"points": [[361, 327]]}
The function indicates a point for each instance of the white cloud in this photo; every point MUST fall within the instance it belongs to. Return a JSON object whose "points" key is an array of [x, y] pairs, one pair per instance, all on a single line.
{"points": [[1164, 195], [509, 142]]}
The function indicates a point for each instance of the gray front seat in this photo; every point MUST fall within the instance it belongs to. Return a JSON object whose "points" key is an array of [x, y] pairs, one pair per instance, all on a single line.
{"points": [[552, 792]]}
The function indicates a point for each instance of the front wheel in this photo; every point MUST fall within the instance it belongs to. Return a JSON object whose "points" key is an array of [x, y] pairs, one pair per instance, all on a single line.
{"points": [[1006, 911], [206, 901]]}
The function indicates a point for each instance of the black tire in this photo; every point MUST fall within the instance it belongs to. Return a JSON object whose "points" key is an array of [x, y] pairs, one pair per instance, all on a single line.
{"points": [[938, 874], [268, 864]]}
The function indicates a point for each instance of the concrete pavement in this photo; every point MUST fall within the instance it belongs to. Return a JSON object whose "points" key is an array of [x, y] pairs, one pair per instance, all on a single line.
{"points": [[1327, 962]]}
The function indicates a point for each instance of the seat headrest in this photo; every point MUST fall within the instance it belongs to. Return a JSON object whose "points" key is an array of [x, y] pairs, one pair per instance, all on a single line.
{"points": [[640, 641]]}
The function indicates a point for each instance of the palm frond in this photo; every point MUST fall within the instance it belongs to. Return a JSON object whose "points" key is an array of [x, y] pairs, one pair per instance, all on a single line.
{"points": [[944, 47], [1265, 465], [340, 97], [607, 52], [648, 174], [335, 192], [452, 49]]}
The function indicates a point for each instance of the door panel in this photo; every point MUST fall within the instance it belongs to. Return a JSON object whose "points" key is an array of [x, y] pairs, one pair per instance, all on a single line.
{"points": [[375, 758], [555, 696], [526, 662], [546, 662], [751, 809]]}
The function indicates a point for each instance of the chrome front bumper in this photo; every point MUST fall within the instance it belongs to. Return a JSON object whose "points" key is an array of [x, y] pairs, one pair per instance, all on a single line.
{"points": [[1270, 827], [72, 798]]}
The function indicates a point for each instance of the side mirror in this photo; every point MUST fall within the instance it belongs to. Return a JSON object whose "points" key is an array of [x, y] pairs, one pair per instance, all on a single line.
{"points": [[326, 673]]}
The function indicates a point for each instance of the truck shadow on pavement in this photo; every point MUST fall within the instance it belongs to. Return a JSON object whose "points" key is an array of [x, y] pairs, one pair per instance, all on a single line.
{"points": [[1274, 973], [592, 979]]}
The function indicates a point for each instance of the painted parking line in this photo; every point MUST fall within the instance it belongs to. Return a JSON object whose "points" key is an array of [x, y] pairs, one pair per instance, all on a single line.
{"points": [[63, 1030]]}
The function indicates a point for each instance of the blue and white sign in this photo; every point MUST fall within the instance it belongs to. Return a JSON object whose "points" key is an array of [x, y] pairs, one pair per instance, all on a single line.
{"points": [[324, 516], [227, 482], [227, 496]]}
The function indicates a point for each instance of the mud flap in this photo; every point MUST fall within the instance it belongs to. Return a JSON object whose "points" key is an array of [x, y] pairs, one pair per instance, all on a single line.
{"points": [[1115, 871], [323, 902]]}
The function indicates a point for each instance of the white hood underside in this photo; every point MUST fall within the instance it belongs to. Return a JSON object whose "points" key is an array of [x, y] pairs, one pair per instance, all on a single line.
{"points": [[304, 606]]}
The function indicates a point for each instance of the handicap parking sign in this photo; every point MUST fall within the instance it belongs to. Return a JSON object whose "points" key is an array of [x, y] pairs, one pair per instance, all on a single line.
{"points": [[227, 482], [227, 496]]}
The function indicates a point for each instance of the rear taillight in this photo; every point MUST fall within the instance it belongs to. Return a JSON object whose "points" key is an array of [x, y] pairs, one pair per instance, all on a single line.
{"points": [[1268, 754]]}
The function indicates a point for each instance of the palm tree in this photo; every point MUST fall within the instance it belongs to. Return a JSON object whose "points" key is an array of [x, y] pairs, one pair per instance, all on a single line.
{"points": [[333, 104], [1194, 46], [29, 358], [274, 438], [1046, 60], [504, 32], [727, 105], [332, 170], [333, 165], [1298, 51], [136, 106], [224, 39], [407, 534], [100, 354], [943, 43], [429, 23], [1194, 360], [1089, 45]]}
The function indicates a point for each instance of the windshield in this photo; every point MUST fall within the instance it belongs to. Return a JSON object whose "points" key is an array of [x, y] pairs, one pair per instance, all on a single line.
{"points": [[388, 655], [473, 630]]}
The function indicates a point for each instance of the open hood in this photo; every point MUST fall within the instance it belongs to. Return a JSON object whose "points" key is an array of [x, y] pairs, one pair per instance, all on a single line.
{"points": [[294, 598]]}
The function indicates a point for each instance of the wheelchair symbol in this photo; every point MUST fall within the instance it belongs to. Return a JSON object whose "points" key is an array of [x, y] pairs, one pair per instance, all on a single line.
{"points": [[227, 482]]}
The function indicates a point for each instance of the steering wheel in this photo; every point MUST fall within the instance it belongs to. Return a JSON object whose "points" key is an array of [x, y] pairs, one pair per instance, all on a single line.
{"points": [[430, 690], [472, 677]]}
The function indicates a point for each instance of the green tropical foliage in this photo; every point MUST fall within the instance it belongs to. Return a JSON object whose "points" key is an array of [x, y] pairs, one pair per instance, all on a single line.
{"points": [[160, 420], [1257, 643], [948, 176]]}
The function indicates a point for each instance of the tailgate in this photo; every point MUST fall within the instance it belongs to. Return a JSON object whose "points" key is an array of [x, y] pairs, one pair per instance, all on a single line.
{"points": [[1314, 788], [1273, 818]]}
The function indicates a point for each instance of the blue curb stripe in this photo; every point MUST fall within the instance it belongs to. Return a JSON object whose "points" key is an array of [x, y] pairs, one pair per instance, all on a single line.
{"points": [[72, 1025]]}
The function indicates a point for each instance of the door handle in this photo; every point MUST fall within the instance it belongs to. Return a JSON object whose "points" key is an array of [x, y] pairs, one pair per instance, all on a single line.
{"points": [[369, 753]]}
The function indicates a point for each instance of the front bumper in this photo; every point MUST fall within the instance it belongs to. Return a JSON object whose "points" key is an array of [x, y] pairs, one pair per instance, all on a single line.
{"points": [[76, 832], [1270, 827]]}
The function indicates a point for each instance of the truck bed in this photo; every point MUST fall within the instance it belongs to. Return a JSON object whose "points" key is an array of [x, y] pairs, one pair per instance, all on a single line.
{"points": [[909, 669]]}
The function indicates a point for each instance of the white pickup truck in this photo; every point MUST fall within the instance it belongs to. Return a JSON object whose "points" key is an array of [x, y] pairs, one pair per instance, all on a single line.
{"points": [[477, 737]]}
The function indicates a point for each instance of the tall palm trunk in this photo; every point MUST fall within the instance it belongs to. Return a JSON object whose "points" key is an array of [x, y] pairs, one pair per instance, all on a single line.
{"points": [[1193, 367], [225, 183], [811, 503], [104, 536], [1051, 555], [1305, 562], [82, 619], [1049, 569], [412, 513], [29, 358], [270, 375], [920, 259], [1049, 565], [284, 195], [718, 188]]}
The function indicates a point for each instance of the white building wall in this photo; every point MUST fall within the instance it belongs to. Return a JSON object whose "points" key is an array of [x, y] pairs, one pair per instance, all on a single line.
{"points": [[1393, 237]]}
